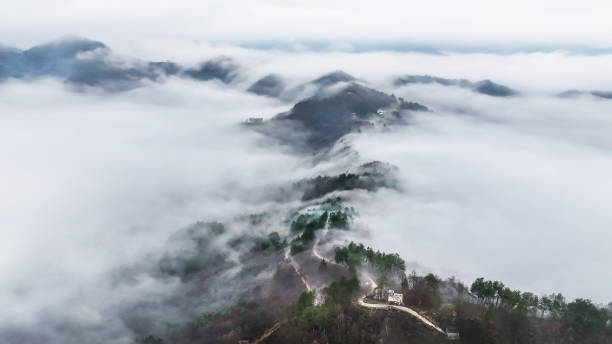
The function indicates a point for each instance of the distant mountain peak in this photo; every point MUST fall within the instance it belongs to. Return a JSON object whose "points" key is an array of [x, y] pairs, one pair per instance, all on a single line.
{"points": [[221, 68], [9, 49], [321, 120], [64, 48], [602, 94], [333, 78], [490, 88], [486, 86], [271, 85]]}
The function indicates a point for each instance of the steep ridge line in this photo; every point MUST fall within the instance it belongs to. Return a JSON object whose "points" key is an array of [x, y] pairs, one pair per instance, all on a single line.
{"points": [[289, 259], [360, 301]]}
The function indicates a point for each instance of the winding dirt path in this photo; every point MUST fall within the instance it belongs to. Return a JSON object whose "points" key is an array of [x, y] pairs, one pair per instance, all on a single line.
{"points": [[408, 310], [316, 243], [295, 267], [360, 301], [269, 332], [400, 308]]}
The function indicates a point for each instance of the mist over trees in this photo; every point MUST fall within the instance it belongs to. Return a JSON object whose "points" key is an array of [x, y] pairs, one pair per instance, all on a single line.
{"points": [[580, 319]]}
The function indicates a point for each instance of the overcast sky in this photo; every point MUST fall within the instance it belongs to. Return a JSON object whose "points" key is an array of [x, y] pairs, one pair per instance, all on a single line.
{"points": [[469, 22]]}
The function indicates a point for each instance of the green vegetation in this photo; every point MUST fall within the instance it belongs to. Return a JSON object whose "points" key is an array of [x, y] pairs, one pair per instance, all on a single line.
{"points": [[585, 317], [341, 321], [354, 255], [422, 292], [344, 177], [382, 282], [297, 246], [308, 315], [332, 203], [339, 219], [341, 291], [413, 106], [308, 234], [273, 241], [311, 222], [501, 297], [432, 281], [331, 211], [580, 317], [308, 224], [315, 318], [339, 216], [305, 300]]}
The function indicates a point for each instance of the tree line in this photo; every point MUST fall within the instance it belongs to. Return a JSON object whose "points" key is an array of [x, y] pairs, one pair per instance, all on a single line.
{"points": [[582, 315], [353, 255]]}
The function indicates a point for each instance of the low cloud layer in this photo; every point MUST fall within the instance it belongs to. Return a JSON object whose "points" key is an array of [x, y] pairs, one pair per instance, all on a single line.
{"points": [[514, 189], [94, 183]]}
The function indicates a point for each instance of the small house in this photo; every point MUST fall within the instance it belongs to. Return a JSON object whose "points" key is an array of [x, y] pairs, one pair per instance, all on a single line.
{"points": [[452, 333], [395, 298]]}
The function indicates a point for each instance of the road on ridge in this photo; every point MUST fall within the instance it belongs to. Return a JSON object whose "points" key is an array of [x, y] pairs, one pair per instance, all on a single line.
{"points": [[400, 308]]}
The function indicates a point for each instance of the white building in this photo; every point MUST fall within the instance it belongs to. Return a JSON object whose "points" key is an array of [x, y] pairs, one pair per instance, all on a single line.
{"points": [[395, 298], [452, 333]]}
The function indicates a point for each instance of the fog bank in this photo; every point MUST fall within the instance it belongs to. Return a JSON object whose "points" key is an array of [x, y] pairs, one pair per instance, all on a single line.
{"points": [[514, 189]]}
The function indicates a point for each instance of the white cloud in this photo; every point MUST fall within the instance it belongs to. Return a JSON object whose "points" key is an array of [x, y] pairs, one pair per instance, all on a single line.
{"points": [[516, 190], [513, 189], [97, 182], [466, 22]]}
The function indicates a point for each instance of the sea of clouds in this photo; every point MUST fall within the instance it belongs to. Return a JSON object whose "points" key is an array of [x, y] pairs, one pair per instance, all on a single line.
{"points": [[515, 189]]}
